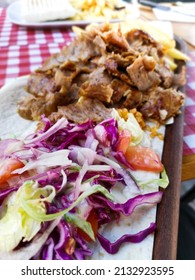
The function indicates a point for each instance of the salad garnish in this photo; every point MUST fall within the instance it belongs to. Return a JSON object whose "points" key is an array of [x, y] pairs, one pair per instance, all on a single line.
{"points": [[64, 178]]}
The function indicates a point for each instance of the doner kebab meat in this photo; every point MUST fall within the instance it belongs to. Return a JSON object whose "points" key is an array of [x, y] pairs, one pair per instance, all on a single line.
{"points": [[103, 68]]}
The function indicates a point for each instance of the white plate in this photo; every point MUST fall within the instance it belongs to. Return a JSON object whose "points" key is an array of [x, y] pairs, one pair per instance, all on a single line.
{"points": [[14, 15]]}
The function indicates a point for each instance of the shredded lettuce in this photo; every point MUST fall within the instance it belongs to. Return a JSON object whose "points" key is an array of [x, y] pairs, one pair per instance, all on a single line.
{"points": [[130, 124], [80, 223], [15, 223], [162, 182], [41, 217]]}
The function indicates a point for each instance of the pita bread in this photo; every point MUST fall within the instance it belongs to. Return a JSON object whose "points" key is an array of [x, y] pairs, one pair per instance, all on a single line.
{"points": [[12, 125]]}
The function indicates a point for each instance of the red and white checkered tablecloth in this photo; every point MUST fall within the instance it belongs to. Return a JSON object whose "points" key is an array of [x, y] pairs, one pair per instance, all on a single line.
{"points": [[189, 117], [11, 34], [23, 50]]}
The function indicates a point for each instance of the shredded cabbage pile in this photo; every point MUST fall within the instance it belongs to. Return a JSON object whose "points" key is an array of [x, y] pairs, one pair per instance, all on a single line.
{"points": [[70, 171]]}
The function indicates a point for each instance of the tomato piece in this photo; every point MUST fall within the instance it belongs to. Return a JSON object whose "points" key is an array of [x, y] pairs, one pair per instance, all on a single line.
{"points": [[143, 158], [92, 219], [7, 166], [124, 140]]}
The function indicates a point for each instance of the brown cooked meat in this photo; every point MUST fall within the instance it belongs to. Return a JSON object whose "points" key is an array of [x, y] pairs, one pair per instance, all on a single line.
{"points": [[161, 104], [106, 67], [81, 111], [142, 74], [97, 86]]}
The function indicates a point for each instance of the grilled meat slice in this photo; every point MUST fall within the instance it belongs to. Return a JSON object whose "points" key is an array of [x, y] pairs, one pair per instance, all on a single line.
{"points": [[120, 89], [143, 43], [32, 108], [161, 104], [179, 79], [142, 73], [133, 99], [81, 49], [84, 109], [40, 84], [166, 75], [98, 86]]}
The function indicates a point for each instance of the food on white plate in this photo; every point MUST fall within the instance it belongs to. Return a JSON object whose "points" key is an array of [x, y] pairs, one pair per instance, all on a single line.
{"points": [[52, 10], [120, 65], [61, 187], [101, 10], [46, 10]]}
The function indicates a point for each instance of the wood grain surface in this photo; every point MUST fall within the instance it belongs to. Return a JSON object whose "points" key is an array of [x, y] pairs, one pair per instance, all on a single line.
{"points": [[165, 245]]}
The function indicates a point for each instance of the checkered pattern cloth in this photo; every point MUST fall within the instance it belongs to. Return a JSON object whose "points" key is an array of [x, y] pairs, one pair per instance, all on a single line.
{"points": [[11, 34], [22, 50], [189, 117]]}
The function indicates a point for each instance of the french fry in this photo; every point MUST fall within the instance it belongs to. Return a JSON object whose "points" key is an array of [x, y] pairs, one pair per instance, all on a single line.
{"points": [[96, 9], [175, 53]]}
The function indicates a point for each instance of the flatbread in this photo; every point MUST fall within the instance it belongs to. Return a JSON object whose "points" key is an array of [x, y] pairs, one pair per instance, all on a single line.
{"points": [[12, 125]]}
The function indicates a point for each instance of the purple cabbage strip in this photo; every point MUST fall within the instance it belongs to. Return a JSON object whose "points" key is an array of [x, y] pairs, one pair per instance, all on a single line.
{"points": [[55, 246], [48, 249], [60, 124], [62, 135], [68, 140], [128, 207], [5, 193], [104, 216], [111, 130], [83, 127], [82, 251], [113, 248]]}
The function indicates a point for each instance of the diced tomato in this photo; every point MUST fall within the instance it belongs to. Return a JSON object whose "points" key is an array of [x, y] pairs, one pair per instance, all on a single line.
{"points": [[7, 166], [124, 140], [92, 219], [143, 158]]}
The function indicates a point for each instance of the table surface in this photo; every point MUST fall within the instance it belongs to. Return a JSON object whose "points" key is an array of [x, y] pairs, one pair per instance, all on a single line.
{"points": [[23, 50]]}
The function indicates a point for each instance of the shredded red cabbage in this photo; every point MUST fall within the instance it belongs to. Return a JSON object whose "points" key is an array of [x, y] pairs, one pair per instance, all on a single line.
{"points": [[129, 206], [113, 248], [94, 161]]}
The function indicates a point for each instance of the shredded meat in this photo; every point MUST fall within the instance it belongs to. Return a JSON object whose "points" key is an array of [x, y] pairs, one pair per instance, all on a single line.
{"points": [[81, 111], [104, 68], [180, 78], [120, 89], [32, 107], [142, 73], [97, 86], [161, 104]]}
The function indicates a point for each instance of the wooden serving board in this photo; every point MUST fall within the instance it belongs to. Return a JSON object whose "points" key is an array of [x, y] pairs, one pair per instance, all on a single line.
{"points": [[165, 243]]}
